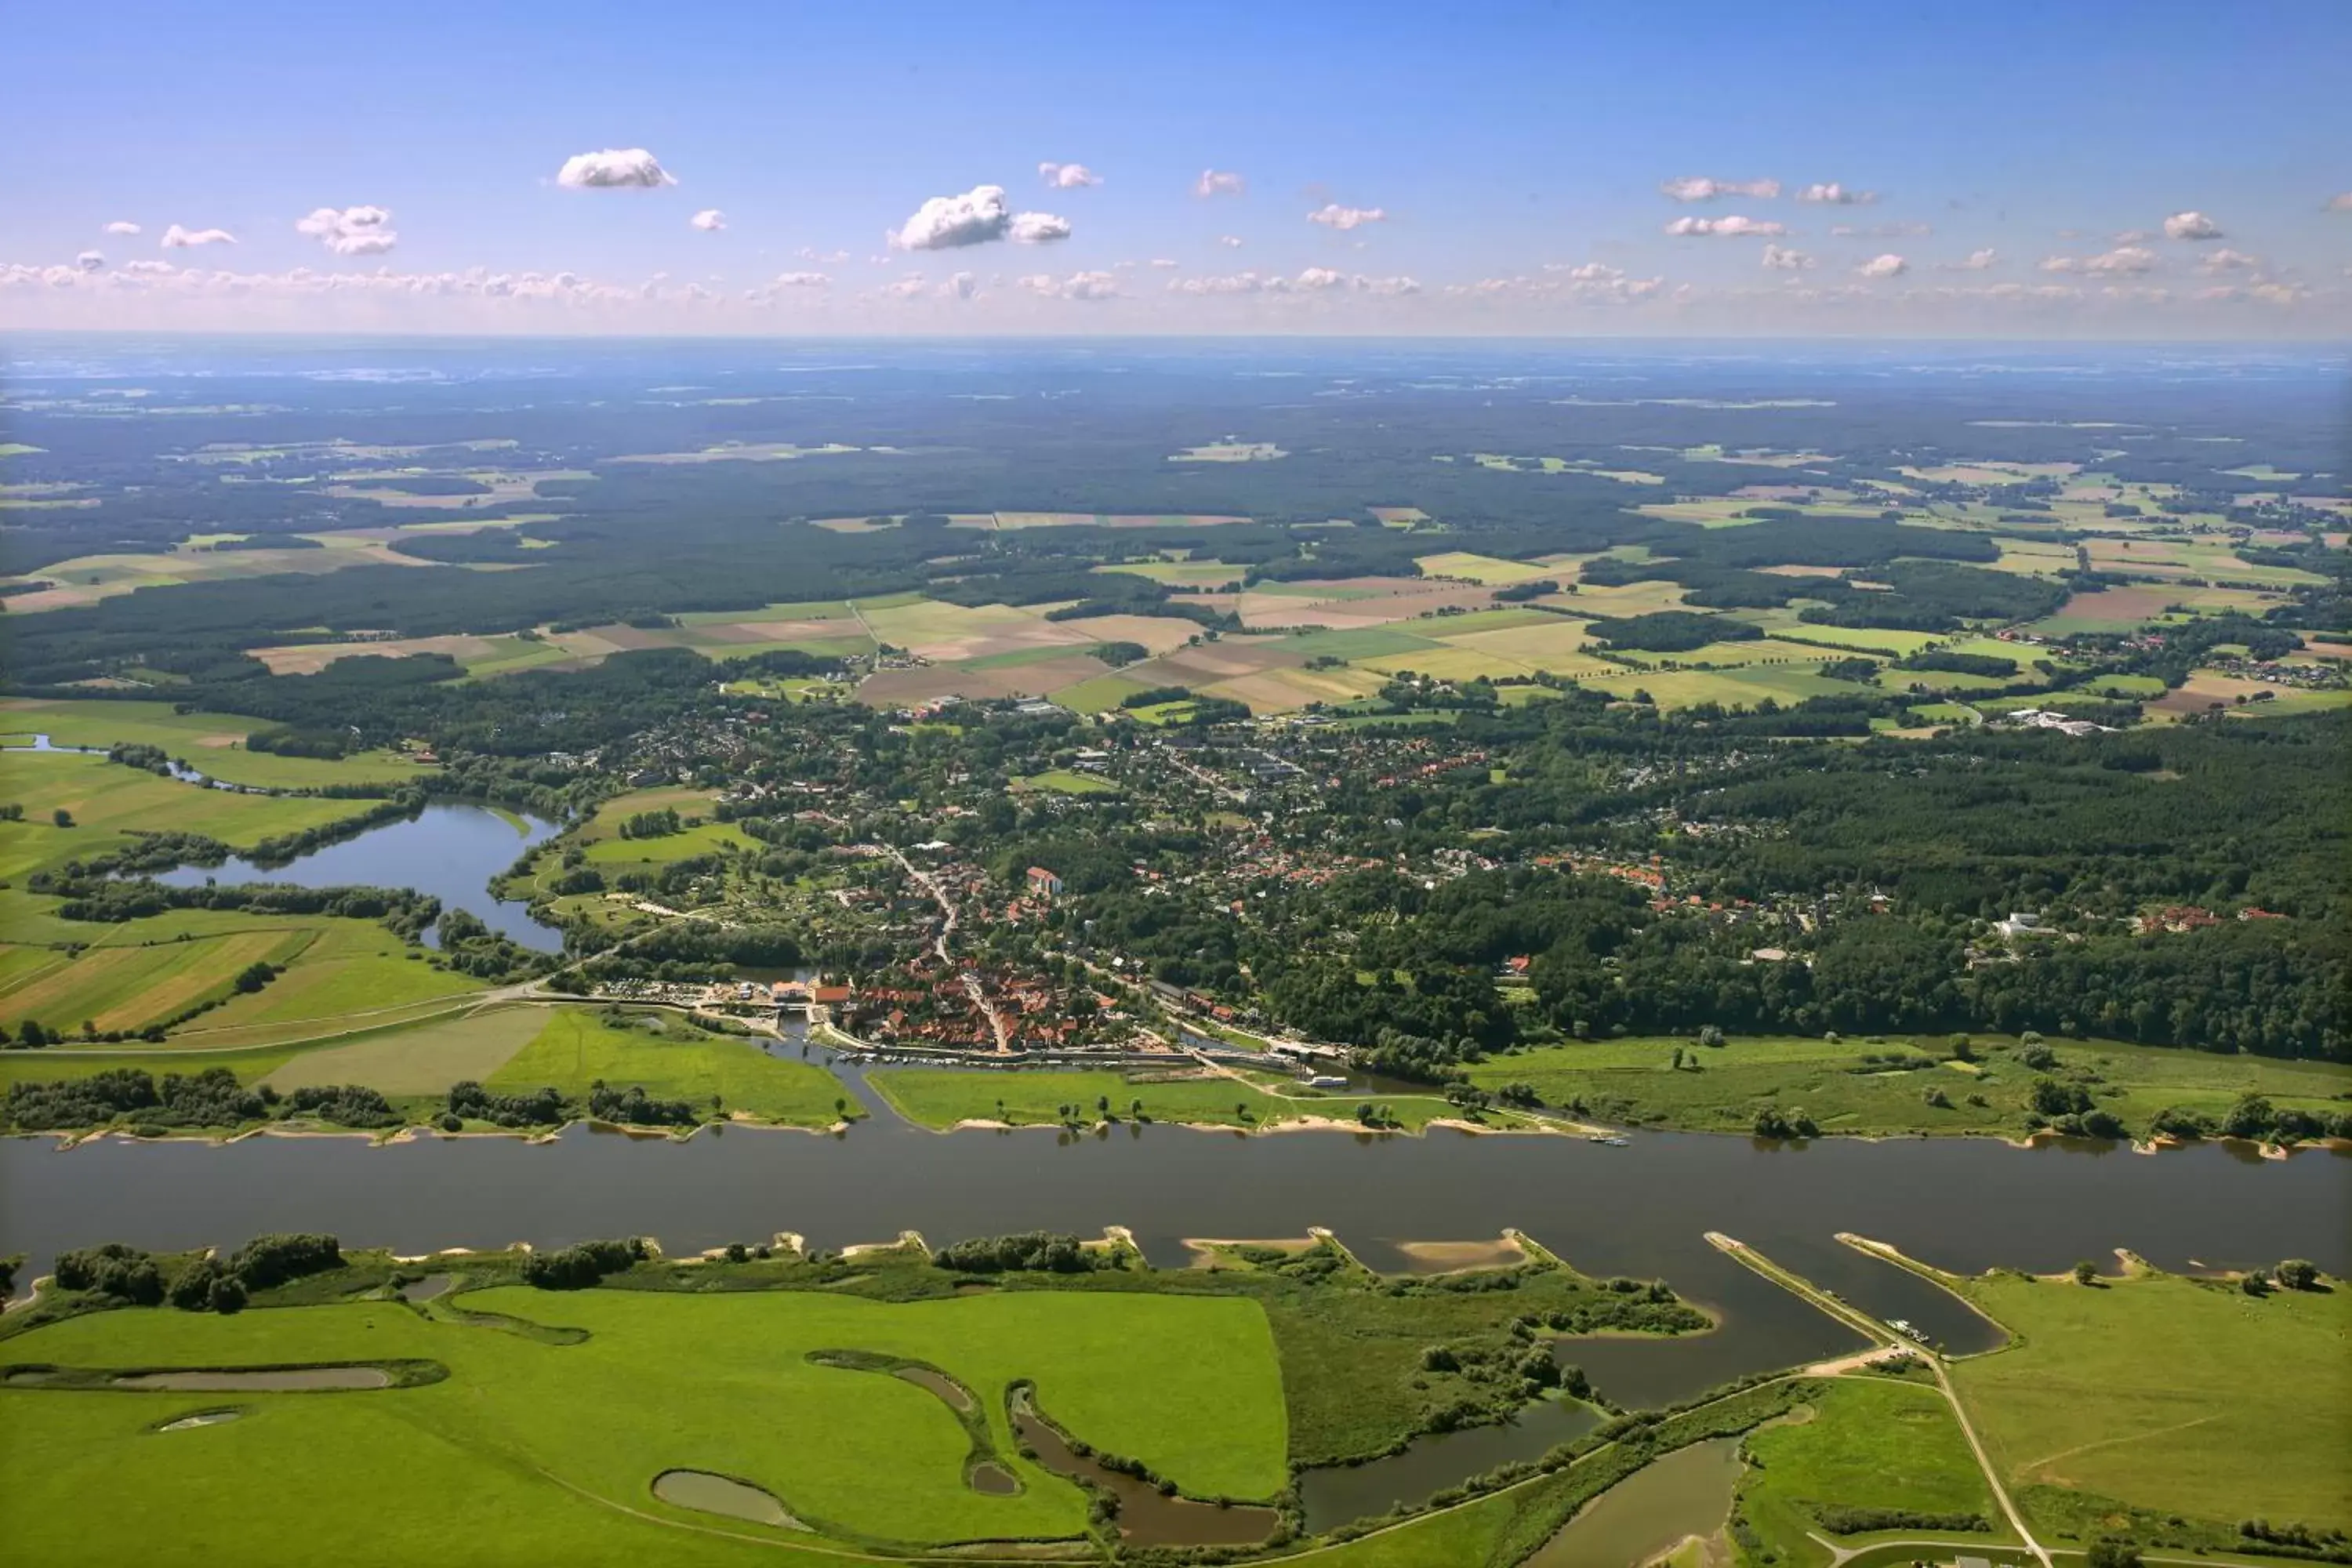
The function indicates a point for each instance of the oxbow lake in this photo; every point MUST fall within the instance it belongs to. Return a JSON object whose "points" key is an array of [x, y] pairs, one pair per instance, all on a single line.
{"points": [[450, 850]]}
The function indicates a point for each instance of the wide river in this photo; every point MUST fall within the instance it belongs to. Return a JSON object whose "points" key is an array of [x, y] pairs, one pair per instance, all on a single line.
{"points": [[1643, 1209]]}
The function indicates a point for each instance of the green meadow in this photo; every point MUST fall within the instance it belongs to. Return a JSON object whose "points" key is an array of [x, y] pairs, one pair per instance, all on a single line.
{"points": [[2162, 1395], [671, 1059], [537, 1447], [1881, 1444]]}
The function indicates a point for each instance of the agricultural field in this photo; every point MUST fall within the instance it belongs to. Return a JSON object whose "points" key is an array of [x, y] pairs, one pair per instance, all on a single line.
{"points": [[418, 1062], [1486, 570], [573, 1047], [91, 578], [2163, 1395], [129, 988], [212, 743], [150, 970], [481, 656], [1195, 575], [530, 1436], [1721, 1089]]}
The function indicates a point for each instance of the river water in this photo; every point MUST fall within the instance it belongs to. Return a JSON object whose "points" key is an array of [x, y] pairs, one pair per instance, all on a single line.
{"points": [[1640, 1210], [451, 851]]}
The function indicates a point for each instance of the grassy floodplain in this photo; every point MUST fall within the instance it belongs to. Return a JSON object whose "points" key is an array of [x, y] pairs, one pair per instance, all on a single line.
{"points": [[1884, 1445], [1721, 1089], [534, 1407], [941, 1098], [2158, 1395], [553, 1441]]}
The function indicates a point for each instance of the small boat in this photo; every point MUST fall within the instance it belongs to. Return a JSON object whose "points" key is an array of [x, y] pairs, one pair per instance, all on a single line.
{"points": [[1605, 1139]]}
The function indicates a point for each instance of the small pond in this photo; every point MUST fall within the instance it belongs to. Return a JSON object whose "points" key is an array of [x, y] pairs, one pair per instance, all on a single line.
{"points": [[706, 1493], [1145, 1517], [280, 1380], [1339, 1493], [451, 851], [1661, 1505], [201, 1418]]}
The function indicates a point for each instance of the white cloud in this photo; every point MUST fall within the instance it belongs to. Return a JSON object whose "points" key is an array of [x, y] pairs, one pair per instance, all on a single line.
{"points": [[2134, 236], [615, 168], [350, 231], [948, 223], [1591, 283], [1311, 280], [1219, 183], [827, 257], [2191, 226], [1692, 188], [1068, 177], [1780, 259], [178, 238], [2227, 260], [906, 287], [709, 220], [147, 268], [2124, 259], [1887, 265], [1911, 229], [1039, 228], [976, 217], [1163, 262], [1836, 196], [802, 280], [121, 226], [963, 286], [1733, 226], [2341, 203], [1076, 286], [1975, 262], [1229, 241], [1331, 215], [90, 260]]}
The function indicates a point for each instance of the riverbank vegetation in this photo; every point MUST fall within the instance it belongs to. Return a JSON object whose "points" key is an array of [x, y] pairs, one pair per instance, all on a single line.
{"points": [[521, 1067], [1923, 1083], [945, 1098]]}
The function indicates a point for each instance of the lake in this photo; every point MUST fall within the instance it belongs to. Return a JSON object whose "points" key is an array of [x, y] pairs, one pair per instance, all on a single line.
{"points": [[449, 850]]}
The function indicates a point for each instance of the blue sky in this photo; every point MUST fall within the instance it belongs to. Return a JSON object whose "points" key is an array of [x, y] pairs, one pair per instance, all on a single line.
{"points": [[1501, 169]]}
